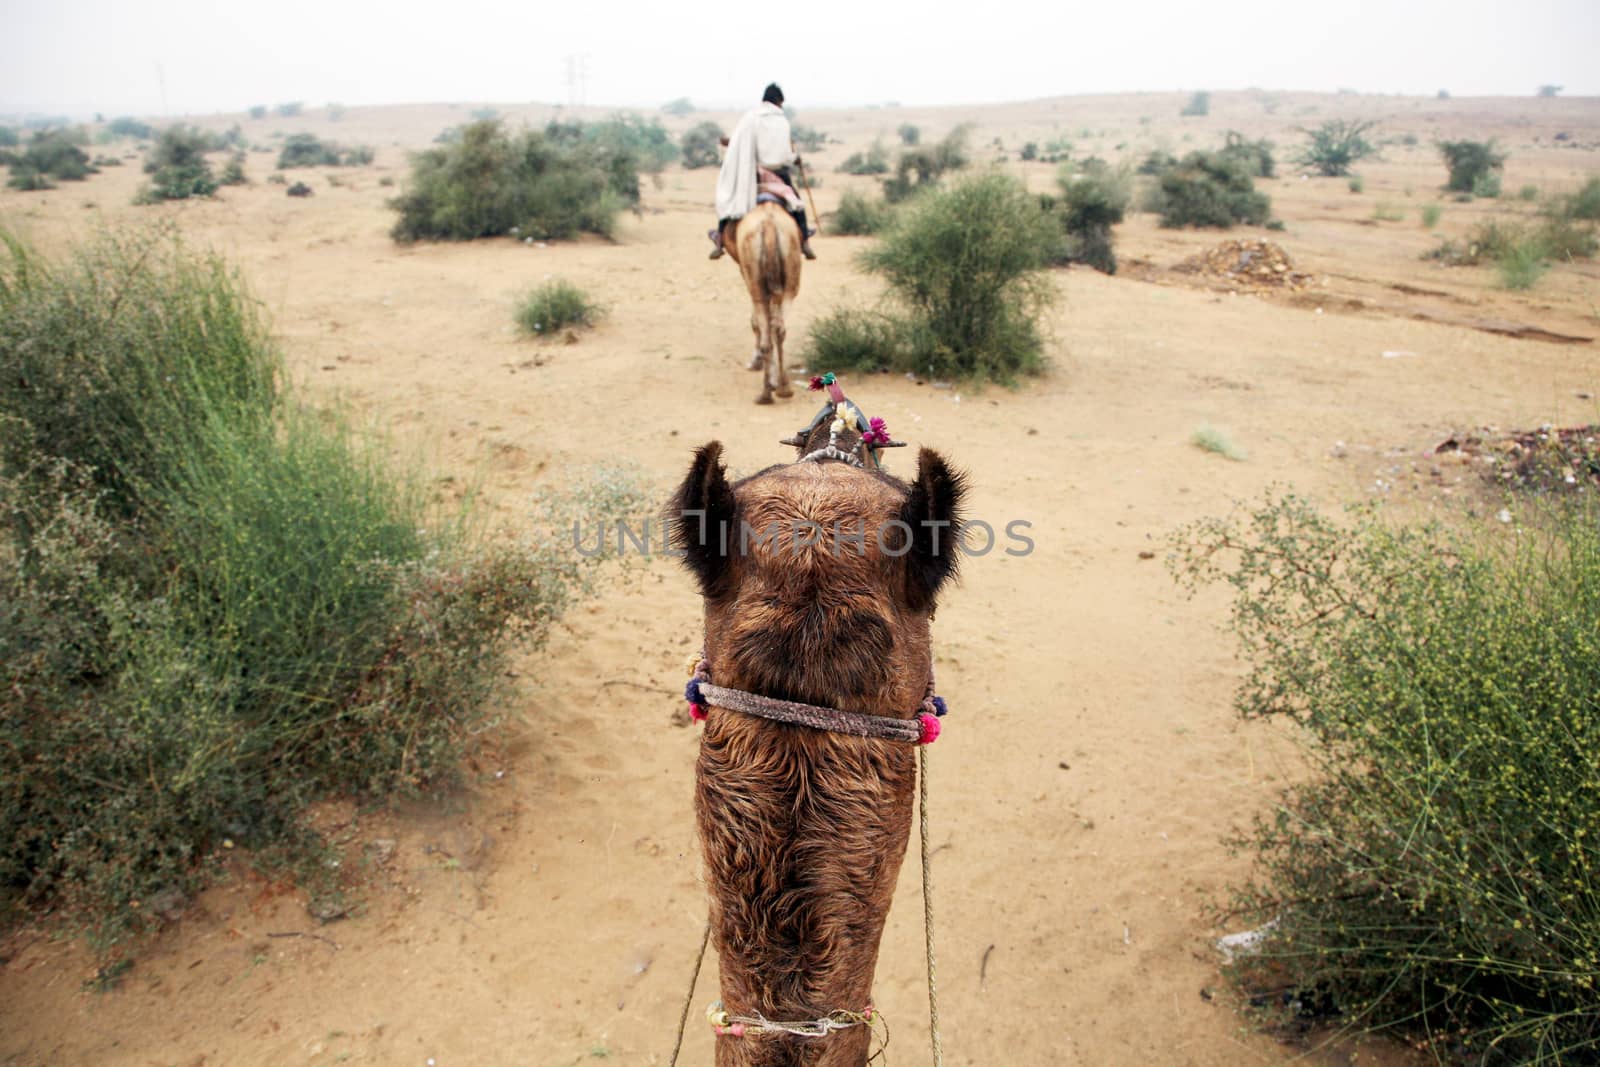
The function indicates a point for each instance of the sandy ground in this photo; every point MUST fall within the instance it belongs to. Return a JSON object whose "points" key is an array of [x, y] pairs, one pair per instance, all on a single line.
{"points": [[1092, 762]]}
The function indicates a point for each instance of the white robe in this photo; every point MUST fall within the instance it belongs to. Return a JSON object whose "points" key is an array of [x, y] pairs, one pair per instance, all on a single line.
{"points": [[761, 138]]}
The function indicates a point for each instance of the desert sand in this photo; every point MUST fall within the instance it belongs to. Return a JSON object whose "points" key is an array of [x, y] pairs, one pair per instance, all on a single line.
{"points": [[1092, 762]]}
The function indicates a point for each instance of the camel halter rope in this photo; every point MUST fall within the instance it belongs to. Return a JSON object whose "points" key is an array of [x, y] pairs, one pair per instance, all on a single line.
{"points": [[921, 730]]}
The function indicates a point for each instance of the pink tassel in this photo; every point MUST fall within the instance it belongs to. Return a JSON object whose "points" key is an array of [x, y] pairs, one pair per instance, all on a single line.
{"points": [[930, 729], [697, 713]]}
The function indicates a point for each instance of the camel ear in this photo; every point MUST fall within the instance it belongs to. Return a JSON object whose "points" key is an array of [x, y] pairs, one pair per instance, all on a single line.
{"points": [[703, 518], [933, 511]]}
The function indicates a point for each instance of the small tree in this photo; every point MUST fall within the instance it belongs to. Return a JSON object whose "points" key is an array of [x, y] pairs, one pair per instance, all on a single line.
{"points": [[923, 166], [1199, 104], [1471, 163], [909, 134], [700, 146], [1336, 145], [1550, 90], [178, 166], [1209, 189], [874, 160], [679, 107], [1255, 156]]}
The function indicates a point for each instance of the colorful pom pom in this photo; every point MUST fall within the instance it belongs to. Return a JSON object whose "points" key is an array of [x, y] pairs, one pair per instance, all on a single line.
{"points": [[877, 432], [816, 383], [930, 729], [939, 707], [691, 692], [697, 713]]}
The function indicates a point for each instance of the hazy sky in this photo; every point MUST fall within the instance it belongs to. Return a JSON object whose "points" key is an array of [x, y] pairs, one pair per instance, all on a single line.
{"points": [[155, 57]]}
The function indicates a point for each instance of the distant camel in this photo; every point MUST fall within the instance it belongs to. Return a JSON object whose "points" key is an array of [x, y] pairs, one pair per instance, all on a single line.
{"points": [[804, 826], [766, 245]]}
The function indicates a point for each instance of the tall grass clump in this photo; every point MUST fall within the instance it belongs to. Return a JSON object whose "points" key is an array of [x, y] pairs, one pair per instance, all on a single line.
{"points": [[1089, 204], [178, 167], [554, 183], [1435, 873], [965, 264], [859, 215], [1431, 213], [1337, 145], [1523, 263], [554, 306], [1209, 189], [217, 605]]}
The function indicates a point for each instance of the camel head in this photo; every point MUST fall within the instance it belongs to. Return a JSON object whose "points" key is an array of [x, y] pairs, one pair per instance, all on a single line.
{"points": [[820, 578]]}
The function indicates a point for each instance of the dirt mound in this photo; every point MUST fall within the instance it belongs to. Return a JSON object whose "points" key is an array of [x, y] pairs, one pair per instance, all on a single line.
{"points": [[1249, 263]]}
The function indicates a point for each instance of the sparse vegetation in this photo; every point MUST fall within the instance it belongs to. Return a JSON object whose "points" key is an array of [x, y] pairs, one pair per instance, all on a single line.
{"points": [[875, 160], [1199, 104], [130, 128], [1528, 193], [680, 107], [550, 184], [218, 606], [51, 155], [1209, 438], [701, 146], [1487, 187], [1431, 214], [807, 138], [1433, 875], [259, 111], [1089, 205], [307, 150], [1337, 145], [1209, 189], [964, 262], [920, 167], [858, 214], [1358, 184], [1384, 211], [555, 306], [177, 166], [1470, 163], [851, 340], [1550, 90], [1254, 156], [1523, 263], [290, 110], [910, 135], [233, 172]]}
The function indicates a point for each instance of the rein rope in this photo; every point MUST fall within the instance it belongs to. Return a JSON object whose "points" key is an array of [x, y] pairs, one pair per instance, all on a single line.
{"points": [[921, 730]]}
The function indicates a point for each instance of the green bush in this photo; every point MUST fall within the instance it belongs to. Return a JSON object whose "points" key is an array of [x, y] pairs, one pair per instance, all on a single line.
{"points": [[1199, 104], [1430, 215], [859, 215], [233, 172], [178, 167], [1528, 193], [53, 153], [1208, 189], [910, 135], [131, 128], [259, 111], [553, 307], [1584, 204], [1157, 163], [1089, 205], [701, 146], [1358, 184], [218, 606], [965, 264], [628, 136], [290, 110], [874, 160], [680, 107], [1254, 156], [1523, 264], [924, 165], [851, 340], [1337, 145], [550, 184], [1469, 163], [9, 137], [307, 150], [1434, 874], [1487, 186], [807, 138]]}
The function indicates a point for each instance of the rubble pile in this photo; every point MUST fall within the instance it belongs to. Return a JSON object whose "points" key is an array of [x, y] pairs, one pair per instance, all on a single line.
{"points": [[1248, 263]]}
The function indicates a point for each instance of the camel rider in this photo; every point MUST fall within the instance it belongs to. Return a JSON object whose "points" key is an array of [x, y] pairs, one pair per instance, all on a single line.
{"points": [[760, 142]]}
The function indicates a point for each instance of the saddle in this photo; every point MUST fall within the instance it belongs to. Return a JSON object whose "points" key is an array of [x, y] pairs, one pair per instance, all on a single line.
{"points": [[771, 189]]}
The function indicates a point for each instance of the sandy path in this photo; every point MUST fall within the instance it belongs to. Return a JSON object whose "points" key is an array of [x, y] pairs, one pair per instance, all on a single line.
{"points": [[1091, 762]]}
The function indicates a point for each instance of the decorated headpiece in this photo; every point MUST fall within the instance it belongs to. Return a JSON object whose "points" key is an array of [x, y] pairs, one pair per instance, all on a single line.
{"points": [[842, 415]]}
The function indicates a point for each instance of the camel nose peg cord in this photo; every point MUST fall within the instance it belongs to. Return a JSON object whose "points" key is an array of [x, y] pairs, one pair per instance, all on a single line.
{"points": [[922, 731]]}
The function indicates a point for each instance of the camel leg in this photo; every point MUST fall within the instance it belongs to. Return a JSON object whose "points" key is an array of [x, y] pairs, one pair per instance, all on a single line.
{"points": [[777, 373], [763, 357]]}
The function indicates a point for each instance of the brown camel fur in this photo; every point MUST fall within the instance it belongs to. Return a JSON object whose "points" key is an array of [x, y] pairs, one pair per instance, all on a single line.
{"points": [[804, 830], [766, 245]]}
